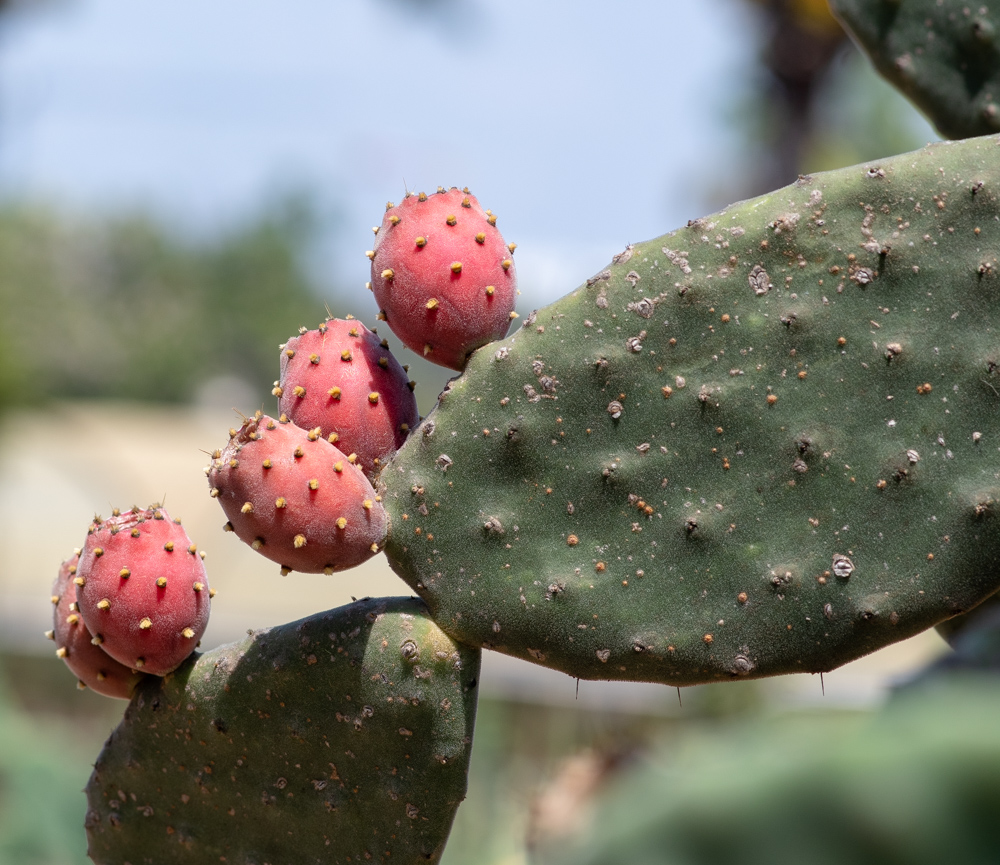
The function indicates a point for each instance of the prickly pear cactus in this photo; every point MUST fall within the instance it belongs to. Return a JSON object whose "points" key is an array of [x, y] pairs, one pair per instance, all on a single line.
{"points": [[765, 443], [342, 737], [943, 54]]}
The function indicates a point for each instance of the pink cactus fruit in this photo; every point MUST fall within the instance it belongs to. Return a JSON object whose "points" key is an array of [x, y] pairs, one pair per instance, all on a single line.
{"points": [[342, 381], [142, 589], [296, 498], [442, 275], [93, 667]]}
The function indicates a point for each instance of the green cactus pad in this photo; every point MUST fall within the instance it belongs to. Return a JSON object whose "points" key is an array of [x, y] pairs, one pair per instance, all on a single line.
{"points": [[343, 737], [943, 54], [766, 443]]}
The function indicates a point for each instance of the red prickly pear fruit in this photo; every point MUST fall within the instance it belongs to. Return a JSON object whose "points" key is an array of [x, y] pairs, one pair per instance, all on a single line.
{"points": [[142, 589], [93, 667], [344, 381], [296, 498], [442, 275]]}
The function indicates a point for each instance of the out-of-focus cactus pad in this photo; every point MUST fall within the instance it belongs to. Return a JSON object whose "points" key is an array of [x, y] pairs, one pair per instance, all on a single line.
{"points": [[942, 54], [765, 443], [341, 737]]}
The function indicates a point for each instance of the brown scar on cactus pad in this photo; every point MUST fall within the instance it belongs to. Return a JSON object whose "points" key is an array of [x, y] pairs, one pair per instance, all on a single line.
{"points": [[142, 589], [342, 381], [77, 647], [296, 498], [851, 507], [442, 275]]}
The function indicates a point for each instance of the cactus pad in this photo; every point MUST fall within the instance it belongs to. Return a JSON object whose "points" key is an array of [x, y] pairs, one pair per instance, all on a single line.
{"points": [[944, 55], [765, 443], [343, 737]]}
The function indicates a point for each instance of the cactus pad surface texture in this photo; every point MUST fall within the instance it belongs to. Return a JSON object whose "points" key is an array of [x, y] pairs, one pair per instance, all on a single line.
{"points": [[764, 443], [943, 54], [343, 737]]}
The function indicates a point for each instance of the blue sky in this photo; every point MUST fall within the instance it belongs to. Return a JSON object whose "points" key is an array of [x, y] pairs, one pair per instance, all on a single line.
{"points": [[584, 125]]}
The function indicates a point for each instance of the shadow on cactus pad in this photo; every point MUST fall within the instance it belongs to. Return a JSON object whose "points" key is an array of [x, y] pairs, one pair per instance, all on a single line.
{"points": [[341, 737]]}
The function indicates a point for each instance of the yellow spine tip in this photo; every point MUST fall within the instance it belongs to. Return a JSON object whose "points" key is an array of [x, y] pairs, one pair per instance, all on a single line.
{"points": [[341, 523], [456, 267], [247, 508], [334, 392], [161, 582], [169, 546], [373, 397], [388, 273], [451, 220], [198, 587], [345, 355], [511, 247], [480, 238], [146, 623], [506, 263], [374, 548], [62, 652], [427, 349], [371, 254], [513, 315], [367, 504], [267, 464], [421, 241], [432, 303], [338, 466], [188, 633], [96, 640], [490, 290], [313, 484], [280, 502], [299, 391], [299, 541], [276, 391], [104, 604]]}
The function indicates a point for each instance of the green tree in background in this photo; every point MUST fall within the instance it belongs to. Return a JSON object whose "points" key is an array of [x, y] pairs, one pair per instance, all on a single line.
{"points": [[123, 307]]}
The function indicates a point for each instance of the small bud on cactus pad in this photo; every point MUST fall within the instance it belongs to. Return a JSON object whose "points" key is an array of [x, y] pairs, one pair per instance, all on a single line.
{"points": [[443, 276], [91, 665], [343, 383], [142, 589], [296, 498]]}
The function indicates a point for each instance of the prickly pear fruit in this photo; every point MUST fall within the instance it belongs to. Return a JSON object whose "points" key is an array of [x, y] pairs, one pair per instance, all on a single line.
{"points": [[142, 589], [296, 498], [342, 380], [442, 275], [93, 667], [343, 737]]}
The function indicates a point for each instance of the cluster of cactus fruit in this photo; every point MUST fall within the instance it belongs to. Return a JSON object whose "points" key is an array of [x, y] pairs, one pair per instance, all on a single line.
{"points": [[764, 443]]}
